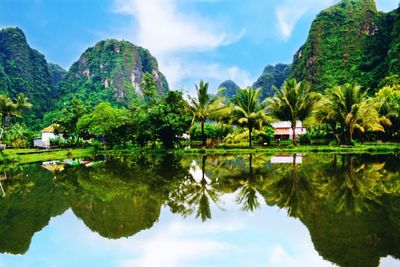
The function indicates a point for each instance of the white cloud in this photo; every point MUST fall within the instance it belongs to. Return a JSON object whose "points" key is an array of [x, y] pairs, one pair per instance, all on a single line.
{"points": [[389, 261], [178, 70], [303, 255], [289, 12], [173, 35], [163, 28], [180, 244]]}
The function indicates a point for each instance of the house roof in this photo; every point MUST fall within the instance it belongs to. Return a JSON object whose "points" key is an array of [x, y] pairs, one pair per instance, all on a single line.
{"points": [[285, 124], [51, 129]]}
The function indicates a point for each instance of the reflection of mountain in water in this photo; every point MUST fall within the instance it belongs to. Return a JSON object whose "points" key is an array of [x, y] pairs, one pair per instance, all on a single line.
{"points": [[31, 200], [121, 197], [350, 204]]}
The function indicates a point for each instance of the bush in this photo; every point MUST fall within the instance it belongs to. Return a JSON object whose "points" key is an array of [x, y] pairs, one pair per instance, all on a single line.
{"points": [[304, 139], [70, 142], [211, 131], [19, 136], [242, 136]]}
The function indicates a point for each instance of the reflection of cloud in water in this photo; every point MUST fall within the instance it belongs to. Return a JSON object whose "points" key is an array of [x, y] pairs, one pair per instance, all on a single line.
{"points": [[389, 262], [196, 172]]}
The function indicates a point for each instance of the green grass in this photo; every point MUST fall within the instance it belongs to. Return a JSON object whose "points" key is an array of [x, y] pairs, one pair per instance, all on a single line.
{"points": [[364, 148]]}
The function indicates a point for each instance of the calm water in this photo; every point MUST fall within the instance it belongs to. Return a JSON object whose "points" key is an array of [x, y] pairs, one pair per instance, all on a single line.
{"points": [[203, 211]]}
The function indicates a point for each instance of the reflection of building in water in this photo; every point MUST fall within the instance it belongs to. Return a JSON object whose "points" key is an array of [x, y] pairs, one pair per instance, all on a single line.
{"points": [[3, 177], [286, 159], [53, 166], [283, 130]]}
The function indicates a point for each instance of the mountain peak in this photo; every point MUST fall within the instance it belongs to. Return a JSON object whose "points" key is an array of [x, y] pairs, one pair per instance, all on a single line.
{"points": [[13, 33], [114, 69]]}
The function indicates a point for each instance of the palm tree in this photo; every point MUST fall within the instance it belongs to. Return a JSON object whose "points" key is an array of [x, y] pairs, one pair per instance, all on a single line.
{"points": [[292, 102], [348, 108], [205, 106], [22, 102], [7, 109], [248, 110]]}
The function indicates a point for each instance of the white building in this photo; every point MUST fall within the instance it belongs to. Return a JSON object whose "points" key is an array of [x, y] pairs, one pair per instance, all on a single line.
{"points": [[47, 134], [283, 130]]}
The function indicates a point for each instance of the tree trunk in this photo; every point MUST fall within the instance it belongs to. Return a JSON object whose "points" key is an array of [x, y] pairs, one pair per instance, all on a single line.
{"points": [[3, 120], [202, 134], [350, 137], [250, 140], [203, 168], [294, 134]]}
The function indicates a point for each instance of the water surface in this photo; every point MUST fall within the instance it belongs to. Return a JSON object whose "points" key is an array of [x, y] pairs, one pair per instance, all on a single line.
{"points": [[192, 211]]}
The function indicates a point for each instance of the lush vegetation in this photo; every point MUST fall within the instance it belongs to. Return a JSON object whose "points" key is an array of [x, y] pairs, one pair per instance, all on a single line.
{"points": [[272, 76], [25, 70], [350, 42], [347, 91], [293, 102]]}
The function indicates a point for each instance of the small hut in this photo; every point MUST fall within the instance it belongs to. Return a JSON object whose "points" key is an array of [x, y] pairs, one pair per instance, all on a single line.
{"points": [[48, 133]]}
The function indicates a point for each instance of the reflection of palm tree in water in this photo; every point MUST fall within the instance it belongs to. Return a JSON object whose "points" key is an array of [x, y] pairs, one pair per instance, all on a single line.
{"points": [[354, 186], [287, 188], [192, 195], [247, 195]]}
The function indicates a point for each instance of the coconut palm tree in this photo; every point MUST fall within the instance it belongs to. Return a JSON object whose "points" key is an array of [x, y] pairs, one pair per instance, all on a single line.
{"points": [[248, 110], [292, 102], [206, 106], [347, 108], [22, 102], [7, 109]]}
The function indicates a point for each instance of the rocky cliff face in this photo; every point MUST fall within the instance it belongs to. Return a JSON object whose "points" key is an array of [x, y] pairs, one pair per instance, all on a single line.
{"points": [[112, 71], [348, 42], [23, 69], [272, 76]]}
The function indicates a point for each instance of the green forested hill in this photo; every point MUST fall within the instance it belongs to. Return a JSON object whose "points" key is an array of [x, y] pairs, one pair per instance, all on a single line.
{"points": [[111, 71], [23, 69], [57, 73], [230, 88], [272, 76], [349, 42]]}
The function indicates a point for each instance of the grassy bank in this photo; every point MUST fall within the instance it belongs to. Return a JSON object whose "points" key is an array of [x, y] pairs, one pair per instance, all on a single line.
{"points": [[22, 156], [361, 148]]}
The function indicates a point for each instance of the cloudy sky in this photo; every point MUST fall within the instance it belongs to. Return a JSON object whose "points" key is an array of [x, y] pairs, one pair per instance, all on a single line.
{"points": [[212, 40]]}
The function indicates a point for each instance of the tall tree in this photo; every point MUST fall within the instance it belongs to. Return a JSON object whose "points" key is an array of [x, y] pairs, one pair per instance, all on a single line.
{"points": [[7, 109], [389, 106], [205, 106], [292, 102], [149, 87], [22, 103], [346, 109], [248, 110]]}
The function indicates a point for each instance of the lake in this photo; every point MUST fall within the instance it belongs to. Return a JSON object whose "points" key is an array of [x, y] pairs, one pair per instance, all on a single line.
{"points": [[203, 211]]}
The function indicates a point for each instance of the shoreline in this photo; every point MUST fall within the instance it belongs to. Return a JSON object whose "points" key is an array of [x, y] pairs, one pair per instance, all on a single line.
{"points": [[25, 156]]}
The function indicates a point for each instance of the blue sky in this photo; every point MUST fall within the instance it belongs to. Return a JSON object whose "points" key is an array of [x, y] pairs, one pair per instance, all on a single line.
{"points": [[212, 40]]}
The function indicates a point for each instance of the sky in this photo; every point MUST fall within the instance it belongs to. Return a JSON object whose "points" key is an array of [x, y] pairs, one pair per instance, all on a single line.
{"points": [[213, 40]]}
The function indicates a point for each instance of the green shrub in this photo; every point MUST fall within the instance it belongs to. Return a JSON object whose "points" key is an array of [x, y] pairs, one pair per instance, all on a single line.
{"points": [[213, 131], [304, 139]]}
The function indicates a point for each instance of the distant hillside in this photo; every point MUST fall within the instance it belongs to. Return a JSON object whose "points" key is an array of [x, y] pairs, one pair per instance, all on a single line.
{"points": [[350, 42], [111, 71], [23, 69], [272, 76], [230, 88], [57, 73]]}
